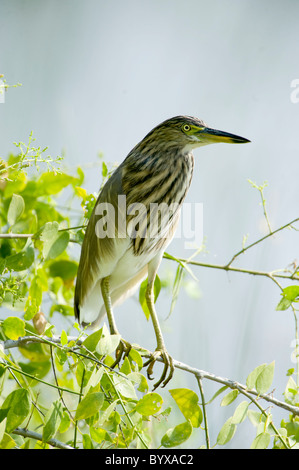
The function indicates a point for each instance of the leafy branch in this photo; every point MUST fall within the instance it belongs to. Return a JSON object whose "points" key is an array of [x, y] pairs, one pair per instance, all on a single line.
{"points": [[27, 156], [262, 378], [91, 404]]}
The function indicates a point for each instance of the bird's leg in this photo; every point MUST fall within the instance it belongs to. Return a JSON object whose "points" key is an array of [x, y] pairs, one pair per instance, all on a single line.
{"points": [[161, 349], [105, 288], [124, 347]]}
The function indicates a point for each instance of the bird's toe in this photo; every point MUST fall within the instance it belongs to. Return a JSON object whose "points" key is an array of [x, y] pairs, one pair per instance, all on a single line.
{"points": [[168, 365], [122, 351]]}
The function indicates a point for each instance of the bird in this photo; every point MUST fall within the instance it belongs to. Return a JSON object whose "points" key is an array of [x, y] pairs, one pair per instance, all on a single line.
{"points": [[118, 252]]}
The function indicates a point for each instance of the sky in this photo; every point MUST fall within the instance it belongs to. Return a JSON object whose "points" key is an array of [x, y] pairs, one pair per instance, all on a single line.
{"points": [[97, 76]]}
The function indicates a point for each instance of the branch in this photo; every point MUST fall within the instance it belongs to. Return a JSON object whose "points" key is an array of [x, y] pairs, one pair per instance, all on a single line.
{"points": [[226, 267], [261, 240], [39, 437], [16, 235], [273, 275], [36, 235], [198, 373], [235, 386], [203, 403]]}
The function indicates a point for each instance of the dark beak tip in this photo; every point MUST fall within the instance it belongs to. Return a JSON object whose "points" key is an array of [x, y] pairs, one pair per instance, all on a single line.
{"points": [[240, 140]]}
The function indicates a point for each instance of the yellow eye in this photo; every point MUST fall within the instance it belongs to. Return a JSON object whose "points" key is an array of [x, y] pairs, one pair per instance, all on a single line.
{"points": [[186, 127]]}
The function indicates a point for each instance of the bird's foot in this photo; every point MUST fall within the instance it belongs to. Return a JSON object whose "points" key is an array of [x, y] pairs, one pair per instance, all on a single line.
{"points": [[122, 351], [168, 365]]}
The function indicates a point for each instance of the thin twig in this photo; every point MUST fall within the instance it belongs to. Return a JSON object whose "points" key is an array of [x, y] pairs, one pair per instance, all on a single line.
{"points": [[269, 275], [56, 381], [125, 410], [16, 235], [79, 401], [22, 372], [261, 240], [39, 437], [199, 381], [256, 403]]}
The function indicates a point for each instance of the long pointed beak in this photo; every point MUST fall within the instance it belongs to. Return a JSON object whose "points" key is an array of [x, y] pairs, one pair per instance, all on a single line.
{"points": [[213, 136]]}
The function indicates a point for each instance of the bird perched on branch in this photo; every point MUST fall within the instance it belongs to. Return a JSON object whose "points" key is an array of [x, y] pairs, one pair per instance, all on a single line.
{"points": [[124, 242]]}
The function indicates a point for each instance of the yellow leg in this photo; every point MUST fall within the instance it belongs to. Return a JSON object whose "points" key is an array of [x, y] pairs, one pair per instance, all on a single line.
{"points": [[124, 347], [105, 288], [161, 349]]}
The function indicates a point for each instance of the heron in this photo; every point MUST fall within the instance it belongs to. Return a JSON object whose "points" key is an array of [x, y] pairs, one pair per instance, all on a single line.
{"points": [[118, 253]]}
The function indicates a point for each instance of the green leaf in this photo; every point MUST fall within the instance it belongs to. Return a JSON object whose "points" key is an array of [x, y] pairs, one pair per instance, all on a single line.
{"points": [[13, 327], [15, 209], [104, 170], [140, 379], [16, 186], [99, 435], [150, 404], [261, 377], [291, 292], [221, 390], [66, 269], [90, 343], [226, 433], [108, 344], [65, 310], [229, 398], [134, 356], [37, 369], [240, 413], [283, 304], [35, 352], [22, 260], [291, 392], [15, 408], [177, 435], [256, 417], [65, 422], [25, 225], [95, 378], [187, 401], [105, 414], [82, 374], [36, 292], [261, 441], [63, 338], [87, 442], [251, 379], [51, 183], [289, 295], [125, 387], [2, 428], [265, 378], [52, 420], [142, 292], [7, 442], [125, 367], [180, 272], [55, 242], [89, 405]]}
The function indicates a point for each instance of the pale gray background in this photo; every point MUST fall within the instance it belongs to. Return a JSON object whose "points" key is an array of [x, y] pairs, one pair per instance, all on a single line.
{"points": [[98, 75]]}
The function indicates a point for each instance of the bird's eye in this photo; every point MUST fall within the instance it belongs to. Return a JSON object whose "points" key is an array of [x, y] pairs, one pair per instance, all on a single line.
{"points": [[186, 127]]}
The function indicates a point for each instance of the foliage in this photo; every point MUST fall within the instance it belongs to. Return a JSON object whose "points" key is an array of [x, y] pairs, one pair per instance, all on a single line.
{"points": [[63, 387]]}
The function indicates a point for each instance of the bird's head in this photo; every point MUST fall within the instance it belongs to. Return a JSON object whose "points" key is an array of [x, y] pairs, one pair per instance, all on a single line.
{"points": [[186, 133]]}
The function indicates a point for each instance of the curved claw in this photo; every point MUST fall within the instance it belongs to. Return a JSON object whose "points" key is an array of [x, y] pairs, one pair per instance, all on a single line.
{"points": [[168, 364], [123, 350]]}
